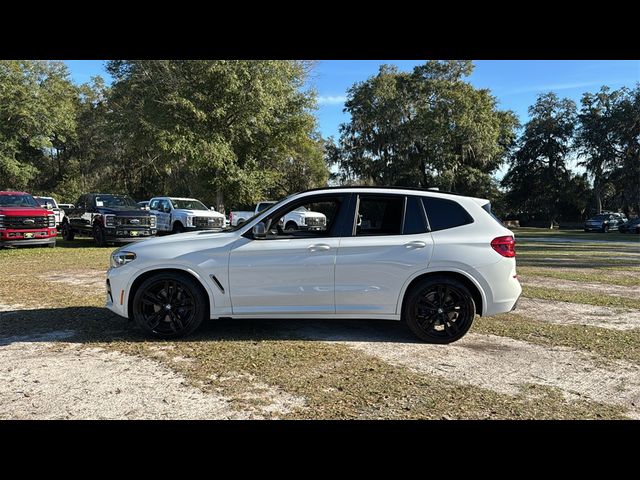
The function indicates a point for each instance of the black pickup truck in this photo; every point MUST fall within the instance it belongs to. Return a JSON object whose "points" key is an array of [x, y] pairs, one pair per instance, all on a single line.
{"points": [[108, 218]]}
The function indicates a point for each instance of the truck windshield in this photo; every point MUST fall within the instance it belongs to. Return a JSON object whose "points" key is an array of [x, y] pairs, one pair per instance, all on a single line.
{"points": [[188, 204], [260, 212], [264, 205], [44, 200], [114, 201], [18, 201]]}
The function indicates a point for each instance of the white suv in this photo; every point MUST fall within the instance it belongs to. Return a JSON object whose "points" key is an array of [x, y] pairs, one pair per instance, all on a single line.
{"points": [[431, 259]]}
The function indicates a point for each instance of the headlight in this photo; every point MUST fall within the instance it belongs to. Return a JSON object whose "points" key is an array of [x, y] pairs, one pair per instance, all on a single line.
{"points": [[52, 220], [119, 258], [189, 221], [152, 221], [110, 221], [1, 222]]}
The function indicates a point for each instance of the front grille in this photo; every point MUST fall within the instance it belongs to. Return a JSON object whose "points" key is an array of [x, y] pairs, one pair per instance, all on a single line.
{"points": [[25, 222], [316, 221], [133, 221], [208, 222]]}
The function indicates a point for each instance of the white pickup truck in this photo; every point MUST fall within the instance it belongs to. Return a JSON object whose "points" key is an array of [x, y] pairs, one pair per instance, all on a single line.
{"points": [[298, 219], [177, 215]]}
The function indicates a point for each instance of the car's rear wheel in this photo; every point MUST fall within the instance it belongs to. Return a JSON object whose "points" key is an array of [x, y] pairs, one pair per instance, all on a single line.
{"points": [[439, 310], [169, 305]]}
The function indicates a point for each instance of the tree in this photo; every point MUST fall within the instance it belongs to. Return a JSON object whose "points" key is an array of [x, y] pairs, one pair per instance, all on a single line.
{"points": [[37, 122], [424, 128], [596, 138], [201, 127], [538, 178]]}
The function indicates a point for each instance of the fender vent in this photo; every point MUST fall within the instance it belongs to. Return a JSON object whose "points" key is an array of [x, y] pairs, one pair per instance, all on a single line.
{"points": [[217, 282]]}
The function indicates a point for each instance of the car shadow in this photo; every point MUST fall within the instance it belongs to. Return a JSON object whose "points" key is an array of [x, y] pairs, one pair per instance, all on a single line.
{"points": [[100, 325]]}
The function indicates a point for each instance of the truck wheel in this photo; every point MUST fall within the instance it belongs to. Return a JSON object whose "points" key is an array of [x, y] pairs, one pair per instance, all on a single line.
{"points": [[169, 305], [67, 232], [439, 310], [98, 236], [177, 228], [291, 226]]}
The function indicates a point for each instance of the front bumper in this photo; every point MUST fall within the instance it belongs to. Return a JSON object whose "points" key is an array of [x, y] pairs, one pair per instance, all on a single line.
{"points": [[27, 242], [127, 237]]}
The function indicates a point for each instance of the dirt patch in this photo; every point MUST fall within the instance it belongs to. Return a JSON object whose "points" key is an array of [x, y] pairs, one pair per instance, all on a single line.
{"points": [[505, 366], [86, 279], [614, 290], [566, 313], [37, 382]]}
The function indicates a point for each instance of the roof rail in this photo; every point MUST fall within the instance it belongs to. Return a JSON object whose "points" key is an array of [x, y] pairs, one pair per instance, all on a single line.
{"points": [[387, 187]]}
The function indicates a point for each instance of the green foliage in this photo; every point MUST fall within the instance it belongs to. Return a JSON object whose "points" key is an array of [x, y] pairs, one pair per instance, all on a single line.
{"points": [[424, 128], [37, 120], [538, 178]]}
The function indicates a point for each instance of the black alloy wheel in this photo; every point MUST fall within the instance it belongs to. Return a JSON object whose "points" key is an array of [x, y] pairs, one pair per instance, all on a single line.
{"points": [[169, 305], [439, 310]]}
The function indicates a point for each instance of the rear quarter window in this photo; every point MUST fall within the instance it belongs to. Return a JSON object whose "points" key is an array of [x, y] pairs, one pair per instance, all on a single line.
{"points": [[443, 214]]}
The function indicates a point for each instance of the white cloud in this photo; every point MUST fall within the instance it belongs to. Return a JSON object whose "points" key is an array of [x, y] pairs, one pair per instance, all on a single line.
{"points": [[331, 99], [561, 86]]}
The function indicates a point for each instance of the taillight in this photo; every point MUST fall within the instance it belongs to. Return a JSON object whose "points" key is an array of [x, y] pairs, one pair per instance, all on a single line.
{"points": [[505, 246]]}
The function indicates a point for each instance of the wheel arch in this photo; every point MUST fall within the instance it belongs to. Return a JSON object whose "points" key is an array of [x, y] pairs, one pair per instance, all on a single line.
{"points": [[137, 281], [473, 287]]}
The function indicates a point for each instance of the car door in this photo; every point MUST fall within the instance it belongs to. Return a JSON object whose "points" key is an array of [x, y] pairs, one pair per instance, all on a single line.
{"points": [[388, 244], [289, 272], [162, 219]]}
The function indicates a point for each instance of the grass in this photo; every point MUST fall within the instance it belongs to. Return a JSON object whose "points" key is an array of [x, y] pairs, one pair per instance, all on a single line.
{"points": [[615, 344], [584, 275], [613, 236], [580, 296]]}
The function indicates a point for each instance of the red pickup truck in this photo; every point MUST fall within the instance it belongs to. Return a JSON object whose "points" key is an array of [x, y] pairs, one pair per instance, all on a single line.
{"points": [[24, 222]]}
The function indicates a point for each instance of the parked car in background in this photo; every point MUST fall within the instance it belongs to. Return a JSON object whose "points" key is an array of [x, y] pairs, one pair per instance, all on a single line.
{"points": [[47, 202], [632, 226], [298, 219], [23, 221], [178, 215], [604, 222], [144, 205], [66, 206], [108, 218], [431, 259]]}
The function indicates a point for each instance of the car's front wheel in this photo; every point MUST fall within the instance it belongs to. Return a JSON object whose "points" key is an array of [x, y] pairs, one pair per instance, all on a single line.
{"points": [[98, 236], [169, 305], [67, 232], [439, 310]]}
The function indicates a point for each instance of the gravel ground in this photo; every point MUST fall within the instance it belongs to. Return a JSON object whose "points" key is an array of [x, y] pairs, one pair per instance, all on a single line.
{"points": [[565, 313], [39, 382]]}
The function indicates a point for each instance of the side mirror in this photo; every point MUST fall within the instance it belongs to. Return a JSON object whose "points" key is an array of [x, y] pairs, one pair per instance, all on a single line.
{"points": [[213, 209], [259, 231], [49, 206]]}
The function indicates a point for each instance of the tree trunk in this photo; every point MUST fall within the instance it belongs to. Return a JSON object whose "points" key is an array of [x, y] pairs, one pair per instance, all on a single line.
{"points": [[219, 201]]}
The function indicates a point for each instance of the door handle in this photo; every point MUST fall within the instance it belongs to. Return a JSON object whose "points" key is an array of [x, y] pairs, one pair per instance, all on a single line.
{"points": [[317, 247], [416, 244]]}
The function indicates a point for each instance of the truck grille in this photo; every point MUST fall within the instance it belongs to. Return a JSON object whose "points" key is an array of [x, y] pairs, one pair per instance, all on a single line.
{"points": [[25, 222], [133, 221], [315, 221], [208, 222]]}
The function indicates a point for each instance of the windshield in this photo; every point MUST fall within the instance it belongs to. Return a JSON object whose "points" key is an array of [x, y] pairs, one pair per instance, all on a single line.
{"points": [[188, 204], [301, 209], [44, 200], [264, 205], [20, 200], [114, 201]]}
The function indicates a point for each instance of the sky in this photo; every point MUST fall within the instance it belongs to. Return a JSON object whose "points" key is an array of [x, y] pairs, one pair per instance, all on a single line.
{"points": [[515, 83]]}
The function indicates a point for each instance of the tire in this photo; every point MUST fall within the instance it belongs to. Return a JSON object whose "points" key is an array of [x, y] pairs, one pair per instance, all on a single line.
{"points": [[188, 305], [439, 309], [605, 229], [177, 228], [67, 232], [291, 226], [98, 236]]}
